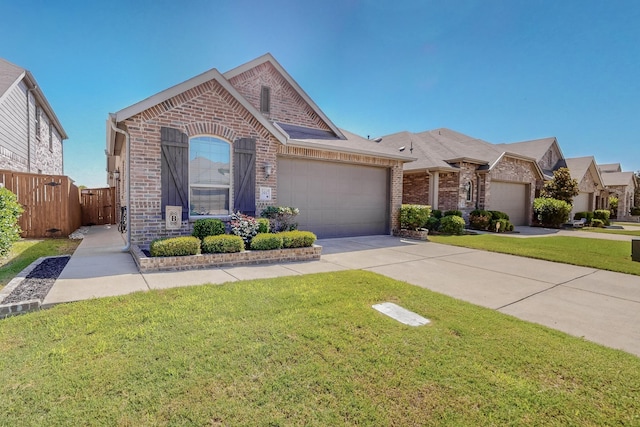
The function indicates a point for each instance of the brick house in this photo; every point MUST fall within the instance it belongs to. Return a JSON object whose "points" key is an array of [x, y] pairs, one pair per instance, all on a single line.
{"points": [[593, 194], [621, 185], [242, 141], [30, 134], [454, 171]]}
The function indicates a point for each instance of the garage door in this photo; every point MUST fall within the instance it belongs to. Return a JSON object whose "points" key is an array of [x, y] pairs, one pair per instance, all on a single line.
{"points": [[335, 199], [581, 203], [511, 198]]}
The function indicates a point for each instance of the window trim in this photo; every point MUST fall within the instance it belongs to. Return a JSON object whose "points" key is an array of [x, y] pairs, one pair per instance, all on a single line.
{"points": [[193, 217]]}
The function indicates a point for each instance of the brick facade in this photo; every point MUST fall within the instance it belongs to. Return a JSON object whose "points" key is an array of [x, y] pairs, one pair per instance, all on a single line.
{"points": [[415, 188]]}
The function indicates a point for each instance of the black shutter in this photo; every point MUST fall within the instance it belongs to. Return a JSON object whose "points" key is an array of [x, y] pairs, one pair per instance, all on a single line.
{"points": [[244, 176], [175, 170]]}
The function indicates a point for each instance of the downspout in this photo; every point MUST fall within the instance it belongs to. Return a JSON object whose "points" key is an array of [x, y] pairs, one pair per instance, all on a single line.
{"points": [[127, 186], [29, 128]]}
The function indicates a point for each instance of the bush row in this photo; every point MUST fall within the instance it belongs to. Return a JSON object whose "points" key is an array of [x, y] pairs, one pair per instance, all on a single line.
{"points": [[415, 217], [600, 216], [490, 220]]}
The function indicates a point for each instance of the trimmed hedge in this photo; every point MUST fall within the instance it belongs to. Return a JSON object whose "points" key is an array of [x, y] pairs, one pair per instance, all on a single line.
{"points": [[452, 224], [453, 212], [10, 211], [433, 223], [586, 215], [551, 212], [635, 211], [603, 215], [505, 225], [480, 219], [597, 223], [207, 227], [297, 239], [263, 225], [266, 242], [413, 217], [499, 215], [222, 244], [436, 213], [175, 246]]}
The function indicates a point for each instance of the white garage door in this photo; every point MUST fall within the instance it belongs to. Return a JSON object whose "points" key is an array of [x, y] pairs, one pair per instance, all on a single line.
{"points": [[581, 203], [335, 199], [511, 198]]}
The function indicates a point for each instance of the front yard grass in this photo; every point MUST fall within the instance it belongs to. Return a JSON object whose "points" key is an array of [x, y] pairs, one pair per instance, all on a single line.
{"points": [[303, 350], [596, 253], [612, 231], [25, 251]]}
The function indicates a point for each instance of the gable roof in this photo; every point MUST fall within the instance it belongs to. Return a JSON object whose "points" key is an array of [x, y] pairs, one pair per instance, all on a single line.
{"points": [[11, 75], [619, 179], [579, 166], [610, 167], [267, 57], [535, 148], [438, 149]]}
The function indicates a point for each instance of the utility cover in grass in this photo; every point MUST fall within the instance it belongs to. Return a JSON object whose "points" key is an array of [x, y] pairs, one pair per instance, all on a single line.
{"points": [[401, 314]]}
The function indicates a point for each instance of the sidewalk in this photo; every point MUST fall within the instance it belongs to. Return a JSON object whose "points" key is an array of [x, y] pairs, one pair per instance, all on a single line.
{"points": [[600, 306]]}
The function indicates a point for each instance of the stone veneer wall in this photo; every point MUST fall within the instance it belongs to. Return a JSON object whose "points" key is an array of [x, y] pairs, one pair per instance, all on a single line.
{"points": [[147, 264]]}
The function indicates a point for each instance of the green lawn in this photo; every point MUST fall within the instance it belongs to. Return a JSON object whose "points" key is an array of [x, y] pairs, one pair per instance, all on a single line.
{"points": [[24, 252], [303, 350], [597, 253], [612, 231]]}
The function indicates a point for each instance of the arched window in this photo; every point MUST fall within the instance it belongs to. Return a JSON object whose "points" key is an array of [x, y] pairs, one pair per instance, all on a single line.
{"points": [[209, 176]]}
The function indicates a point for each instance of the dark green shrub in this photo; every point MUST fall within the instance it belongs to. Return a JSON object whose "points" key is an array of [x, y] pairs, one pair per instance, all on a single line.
{"points": [[281, 218], [635, 211], [597, 223], [175, 246], [551, 212], [505, 225], [263, 225], [413, 217], [222, 244], [453, 212], [452, 224], [433, 223], [480, 219], [266, 242], [499, 215], [297, 239], [207, 227], [436, 213], [603, 215], [10, 211], [586, 215]]}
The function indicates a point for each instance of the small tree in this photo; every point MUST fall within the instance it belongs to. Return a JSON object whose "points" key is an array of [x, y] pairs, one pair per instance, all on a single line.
{"points": [[613, 205], [10, 211], [561, 186]]}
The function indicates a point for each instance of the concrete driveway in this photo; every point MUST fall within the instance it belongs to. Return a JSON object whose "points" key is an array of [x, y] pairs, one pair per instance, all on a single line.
{"points": [[600, 306]]}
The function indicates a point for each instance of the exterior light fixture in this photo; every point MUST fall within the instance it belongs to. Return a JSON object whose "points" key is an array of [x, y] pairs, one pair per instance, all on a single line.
{"points": [[268, 168]]}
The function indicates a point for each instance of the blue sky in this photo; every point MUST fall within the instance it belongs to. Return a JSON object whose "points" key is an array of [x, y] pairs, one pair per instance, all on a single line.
{"points": [[502, 71]]}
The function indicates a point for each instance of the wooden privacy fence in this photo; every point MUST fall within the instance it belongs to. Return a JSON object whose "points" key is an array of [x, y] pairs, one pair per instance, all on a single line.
{"points": [[51, 203], [98, 206]]}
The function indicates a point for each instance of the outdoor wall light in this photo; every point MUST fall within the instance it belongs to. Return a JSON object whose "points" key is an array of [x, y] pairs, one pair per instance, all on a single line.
{"points": [[268, 168]]}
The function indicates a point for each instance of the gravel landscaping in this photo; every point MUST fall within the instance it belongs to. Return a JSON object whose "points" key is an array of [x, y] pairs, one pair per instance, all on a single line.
{"points": [[38, 282]]}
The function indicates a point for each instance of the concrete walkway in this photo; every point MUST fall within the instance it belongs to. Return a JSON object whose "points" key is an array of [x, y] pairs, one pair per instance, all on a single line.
{"points": [[600, 306]]}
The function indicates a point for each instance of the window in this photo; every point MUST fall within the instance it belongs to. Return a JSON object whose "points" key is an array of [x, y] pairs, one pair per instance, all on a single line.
{"points": [[469, 188], [38, 114], [51, 137], [265, 100], [209, 176]]}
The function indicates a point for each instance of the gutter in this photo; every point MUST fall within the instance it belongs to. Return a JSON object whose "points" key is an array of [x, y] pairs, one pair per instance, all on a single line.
{"points": [[127, 246]]}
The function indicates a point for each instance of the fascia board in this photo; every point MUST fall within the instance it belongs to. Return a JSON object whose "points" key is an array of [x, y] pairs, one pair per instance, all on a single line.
{"points": [[319, 146], [42, 100], [12, 86]]}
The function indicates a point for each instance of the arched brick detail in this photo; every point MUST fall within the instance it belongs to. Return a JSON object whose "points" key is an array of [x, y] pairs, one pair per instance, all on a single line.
{"points": [[210, 128]]}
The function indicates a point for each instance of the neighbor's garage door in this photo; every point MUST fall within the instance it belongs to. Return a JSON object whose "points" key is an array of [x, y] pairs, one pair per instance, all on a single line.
{"points": [[335, 199], [511, 198], [581, 203]]}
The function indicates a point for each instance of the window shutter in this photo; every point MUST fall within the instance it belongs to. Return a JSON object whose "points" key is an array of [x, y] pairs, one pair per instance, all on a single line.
{"points": [[244, 176], [175, 170]]}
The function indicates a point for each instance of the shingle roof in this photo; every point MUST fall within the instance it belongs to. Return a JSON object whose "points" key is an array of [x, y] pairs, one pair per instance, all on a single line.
{"points": [[618, 178], [579, 166], [9, 73], [535, 148], [610, 167]]}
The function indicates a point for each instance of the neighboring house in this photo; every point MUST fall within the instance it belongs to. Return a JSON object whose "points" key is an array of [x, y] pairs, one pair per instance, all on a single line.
{"points": [[593, 194], [30, 134], [546, 152], [454, 171], [621, 185], [242, 141]]}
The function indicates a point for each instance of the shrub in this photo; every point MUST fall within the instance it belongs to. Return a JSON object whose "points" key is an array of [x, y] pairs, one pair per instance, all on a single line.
{"points": [[635, 211], [175, 246], [452, 224], [603, 215], [433, 223], [597, 223], [263, 225], [281, 218], [266, 242], [413, 217], [222, 244], [499, 215], [505, 225], [297, 239], [586, 215], [207, 227], [10, 211], [436, 213], [244, 226], [454, 212], [551, 212], [480, 219]]}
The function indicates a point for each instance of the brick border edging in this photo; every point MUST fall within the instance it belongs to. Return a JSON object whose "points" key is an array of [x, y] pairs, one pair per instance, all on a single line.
{"points": [[149, 264], [21, 307], [422, 235]]}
